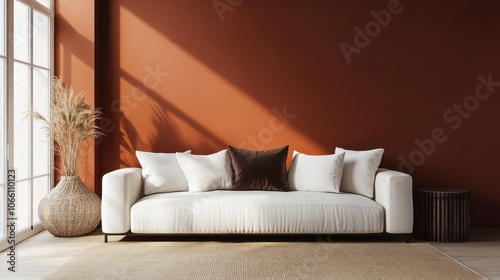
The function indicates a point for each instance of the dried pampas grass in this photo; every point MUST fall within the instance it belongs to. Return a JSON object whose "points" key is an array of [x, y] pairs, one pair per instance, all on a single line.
{"points": [[71, 122]]}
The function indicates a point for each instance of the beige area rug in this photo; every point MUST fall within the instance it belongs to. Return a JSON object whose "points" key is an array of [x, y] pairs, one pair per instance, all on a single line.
{"points": [[262, 260]]}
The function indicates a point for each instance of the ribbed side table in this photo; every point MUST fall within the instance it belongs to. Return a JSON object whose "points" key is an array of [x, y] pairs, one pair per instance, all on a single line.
{"points": [[441, 214]]}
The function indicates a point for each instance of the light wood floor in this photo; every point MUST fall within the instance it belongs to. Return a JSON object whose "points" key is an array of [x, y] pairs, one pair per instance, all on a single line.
{"points": [[42, 253], [481, 253]]}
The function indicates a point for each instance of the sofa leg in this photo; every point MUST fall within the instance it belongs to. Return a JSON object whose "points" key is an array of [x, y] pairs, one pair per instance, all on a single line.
{"points": [[105, 238], [408, 238]]}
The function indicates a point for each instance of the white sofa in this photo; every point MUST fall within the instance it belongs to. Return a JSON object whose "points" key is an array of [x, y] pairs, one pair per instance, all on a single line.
{"points": [[126, 210]]}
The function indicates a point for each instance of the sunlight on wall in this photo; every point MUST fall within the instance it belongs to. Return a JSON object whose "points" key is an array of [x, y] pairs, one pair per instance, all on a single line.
{"points": [[172, 96]]}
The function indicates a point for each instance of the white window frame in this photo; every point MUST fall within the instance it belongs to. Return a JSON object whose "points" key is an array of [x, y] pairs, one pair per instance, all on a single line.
{"points": [[34, 5]]}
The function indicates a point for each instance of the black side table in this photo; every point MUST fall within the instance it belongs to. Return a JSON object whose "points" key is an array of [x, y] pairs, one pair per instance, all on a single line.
{"points": [[441, 214]]}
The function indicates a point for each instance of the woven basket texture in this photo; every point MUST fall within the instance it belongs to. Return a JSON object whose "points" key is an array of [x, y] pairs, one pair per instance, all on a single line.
{"points": [[70, 209]]}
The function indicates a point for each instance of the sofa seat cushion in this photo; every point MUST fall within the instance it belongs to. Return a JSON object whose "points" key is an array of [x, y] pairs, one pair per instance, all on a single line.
{"points": [[261, 212]]}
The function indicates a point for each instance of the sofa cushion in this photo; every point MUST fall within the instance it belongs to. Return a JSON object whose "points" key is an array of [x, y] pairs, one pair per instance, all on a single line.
{"points": [[259, 170], [316, 173], [161, 172], [358, 175], [227, 211], [207, 172]]}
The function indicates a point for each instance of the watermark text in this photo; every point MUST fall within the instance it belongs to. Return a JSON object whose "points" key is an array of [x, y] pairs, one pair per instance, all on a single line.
{"points": [[362, 37], [454, 116], [11, 219], [222, 7], [266, 135]]}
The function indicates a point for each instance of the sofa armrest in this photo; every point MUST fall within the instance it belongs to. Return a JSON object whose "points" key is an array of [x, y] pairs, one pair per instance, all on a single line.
{"points": [[120, 190], [393, 190]]}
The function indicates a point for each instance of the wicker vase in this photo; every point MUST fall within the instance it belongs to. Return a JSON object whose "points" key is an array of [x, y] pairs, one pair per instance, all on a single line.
{"points": [[70, 209]]}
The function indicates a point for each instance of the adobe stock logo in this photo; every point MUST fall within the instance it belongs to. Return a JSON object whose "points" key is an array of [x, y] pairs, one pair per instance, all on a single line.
{"points": [[454, 117], [362, 38], [222, 7], [266, 134]]}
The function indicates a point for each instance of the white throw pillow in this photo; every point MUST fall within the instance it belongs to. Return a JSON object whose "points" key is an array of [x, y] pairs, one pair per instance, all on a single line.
{"points": [[161, 172], [315, 173], [359, 171], [206, 173]]}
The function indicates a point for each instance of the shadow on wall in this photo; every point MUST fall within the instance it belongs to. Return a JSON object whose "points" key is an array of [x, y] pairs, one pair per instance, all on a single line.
{"points": [[264, 66], [152, 128], [84, 50], [289, 54]]}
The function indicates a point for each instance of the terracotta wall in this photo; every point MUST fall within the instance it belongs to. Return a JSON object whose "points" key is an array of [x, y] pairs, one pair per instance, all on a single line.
{"points": [[74, 63], [417, 78]]}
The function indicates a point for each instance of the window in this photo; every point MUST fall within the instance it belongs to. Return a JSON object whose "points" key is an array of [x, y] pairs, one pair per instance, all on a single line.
{"points": [[26, 67]]}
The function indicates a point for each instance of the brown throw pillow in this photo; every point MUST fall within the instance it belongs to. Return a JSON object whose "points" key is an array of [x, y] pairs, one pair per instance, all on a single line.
{"points": [[259, 170]]}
